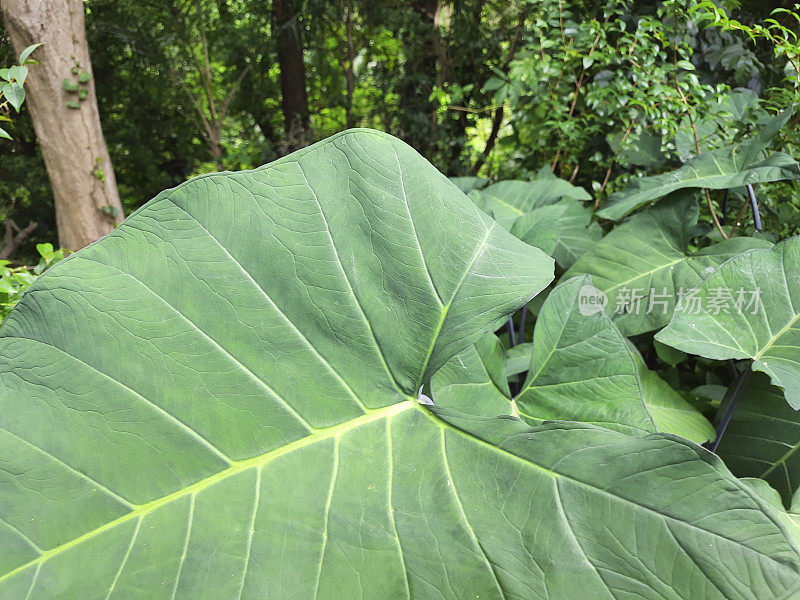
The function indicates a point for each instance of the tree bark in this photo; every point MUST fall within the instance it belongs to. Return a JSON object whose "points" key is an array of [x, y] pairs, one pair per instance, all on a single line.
{"points": [[419, 76], [71, 139], [294, 97]]}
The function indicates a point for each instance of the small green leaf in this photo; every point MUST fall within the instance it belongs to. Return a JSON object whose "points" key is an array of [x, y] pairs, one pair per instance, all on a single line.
{"points": [[70, 86], [492, 84], [668, 354], [27, 52], [18, 73], [45, 250], [4, 134], [73, 104], [5, 74], [15, 94], [6, 286], [84, 77]]}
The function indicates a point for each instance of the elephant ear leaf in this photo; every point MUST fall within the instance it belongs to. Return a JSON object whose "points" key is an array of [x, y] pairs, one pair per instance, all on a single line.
{"points": [[563, 230], [763, 438], [218, 400], [724, 168], [509, 200], [583, 369], [580, 368], [644, 264], [474, 380], [749, 308]]}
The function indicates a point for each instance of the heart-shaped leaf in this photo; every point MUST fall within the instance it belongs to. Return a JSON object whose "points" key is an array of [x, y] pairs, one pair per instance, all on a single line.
{"points": [[763, 438], [749, 308], [19, 73], [15, 94], [581, 368], [644, 264], [724, 168], [508, 200], [217, 400], [27, 52]]}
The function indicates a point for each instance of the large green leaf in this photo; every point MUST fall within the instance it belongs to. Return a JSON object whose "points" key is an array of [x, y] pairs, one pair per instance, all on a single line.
{"points": [[647, 257], [508, 200], [763, 438], [724, 168], [467, 184], [217, 401], [760, 319], [790, 518], [563, 230], [583, 369], [475, 379]]}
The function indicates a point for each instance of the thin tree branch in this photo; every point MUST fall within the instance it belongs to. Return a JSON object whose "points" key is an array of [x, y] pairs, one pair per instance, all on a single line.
{"points": [[15, 236], [696, 141], [497, 120], [223, 109]]}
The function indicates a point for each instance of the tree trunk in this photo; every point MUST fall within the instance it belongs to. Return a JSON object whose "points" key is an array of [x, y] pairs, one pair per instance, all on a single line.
{"points": [[294, 98], [71, 139], [419, 77], [348, 65]]}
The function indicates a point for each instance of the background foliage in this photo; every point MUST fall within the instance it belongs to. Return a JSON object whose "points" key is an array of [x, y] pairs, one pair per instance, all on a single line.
{"points": [[597, 91]]}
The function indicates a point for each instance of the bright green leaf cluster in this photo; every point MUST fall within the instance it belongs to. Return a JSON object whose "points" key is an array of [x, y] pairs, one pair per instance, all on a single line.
{"points": [[12, 81]]}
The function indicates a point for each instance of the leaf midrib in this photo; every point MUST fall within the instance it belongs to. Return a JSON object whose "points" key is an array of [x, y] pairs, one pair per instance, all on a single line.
{"points": [[337, 430], [557, 476], [235, 468]]}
